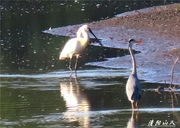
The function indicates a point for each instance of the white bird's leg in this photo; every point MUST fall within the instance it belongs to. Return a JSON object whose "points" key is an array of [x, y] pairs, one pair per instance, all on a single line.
{"points": [[75, 67], [70, 66]]}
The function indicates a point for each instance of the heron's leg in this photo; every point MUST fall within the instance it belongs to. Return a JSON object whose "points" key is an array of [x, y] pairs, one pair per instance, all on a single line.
{"points": [[136, 104], [132, 106], [76, 64], [136, 117], [132, 114]]}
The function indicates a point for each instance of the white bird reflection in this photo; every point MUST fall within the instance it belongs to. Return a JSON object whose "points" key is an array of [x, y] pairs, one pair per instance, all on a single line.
{"points": [[133, 121], [76, 102]]}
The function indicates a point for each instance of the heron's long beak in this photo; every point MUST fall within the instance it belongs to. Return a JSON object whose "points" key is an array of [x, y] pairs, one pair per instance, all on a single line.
{"points": [[95, 37], [139, 41]]}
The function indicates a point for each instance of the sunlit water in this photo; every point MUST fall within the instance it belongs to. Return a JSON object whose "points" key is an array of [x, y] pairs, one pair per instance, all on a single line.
{"points": [[35, 87], [54, 100]]}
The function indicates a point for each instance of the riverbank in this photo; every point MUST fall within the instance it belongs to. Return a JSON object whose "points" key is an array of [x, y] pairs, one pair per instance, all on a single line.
{"points": [[159, 28]]}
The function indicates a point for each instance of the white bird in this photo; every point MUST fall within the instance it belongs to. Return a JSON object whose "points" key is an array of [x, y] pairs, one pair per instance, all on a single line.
{"points": [[75, 46], [133, 86]]}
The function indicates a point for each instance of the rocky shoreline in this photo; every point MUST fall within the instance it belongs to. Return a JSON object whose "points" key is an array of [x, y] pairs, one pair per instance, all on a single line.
{"points": [[159, 28]]}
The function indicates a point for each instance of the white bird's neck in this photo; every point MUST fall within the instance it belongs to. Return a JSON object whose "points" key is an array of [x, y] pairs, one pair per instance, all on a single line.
{"points": [[85, 37], [79, 32], [133, 60]]}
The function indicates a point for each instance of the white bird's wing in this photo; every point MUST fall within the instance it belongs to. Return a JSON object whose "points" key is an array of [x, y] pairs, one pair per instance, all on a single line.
{"points": [[68, 49], [71, 48]]}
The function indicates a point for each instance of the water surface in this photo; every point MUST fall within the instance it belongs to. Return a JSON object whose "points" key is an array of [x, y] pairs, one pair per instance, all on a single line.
{"points": [[35, 87], [53, 100]]}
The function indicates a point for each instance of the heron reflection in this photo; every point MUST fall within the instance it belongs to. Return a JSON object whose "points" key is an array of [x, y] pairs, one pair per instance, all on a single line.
{"points": [[133, 121], [76, 101]]}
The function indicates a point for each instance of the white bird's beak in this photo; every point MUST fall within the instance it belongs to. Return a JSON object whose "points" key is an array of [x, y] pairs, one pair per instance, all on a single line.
{"points": [[95, 37]]}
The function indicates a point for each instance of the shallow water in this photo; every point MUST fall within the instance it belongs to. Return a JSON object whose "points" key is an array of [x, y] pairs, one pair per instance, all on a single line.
{"points": [[92, 100], [35, 87]]}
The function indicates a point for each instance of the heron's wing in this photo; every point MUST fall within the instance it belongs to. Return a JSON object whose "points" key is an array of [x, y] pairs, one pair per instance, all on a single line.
{"points": [[137, 91], [130, 86], [133, 88]]}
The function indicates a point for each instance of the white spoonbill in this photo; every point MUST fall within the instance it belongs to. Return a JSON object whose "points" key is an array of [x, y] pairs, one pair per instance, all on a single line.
{"points": [[133, 86], [75, 46]]}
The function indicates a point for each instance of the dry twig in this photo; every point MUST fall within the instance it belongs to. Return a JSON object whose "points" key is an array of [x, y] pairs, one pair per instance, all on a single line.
{"points": [[172, 71]]}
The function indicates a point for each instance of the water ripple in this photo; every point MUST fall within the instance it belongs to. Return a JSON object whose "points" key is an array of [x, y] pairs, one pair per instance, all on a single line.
{"points": [[66, 74]]}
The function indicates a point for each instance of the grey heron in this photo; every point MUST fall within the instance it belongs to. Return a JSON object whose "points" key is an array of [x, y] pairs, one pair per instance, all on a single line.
{"points": [[133, 86]]}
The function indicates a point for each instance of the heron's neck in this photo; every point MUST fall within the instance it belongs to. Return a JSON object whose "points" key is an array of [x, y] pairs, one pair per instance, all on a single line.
{"points": [[133, 60]]}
